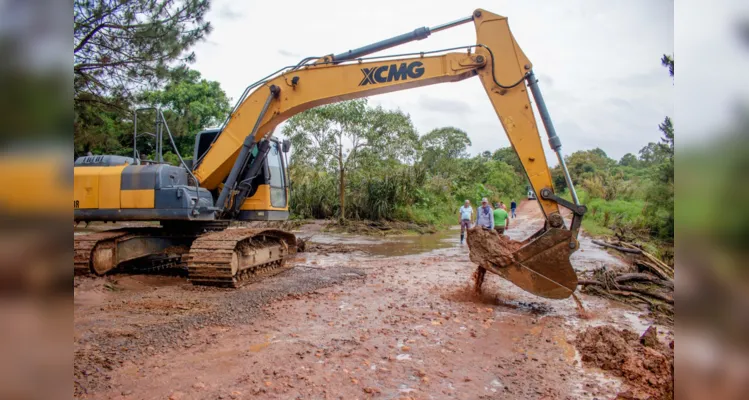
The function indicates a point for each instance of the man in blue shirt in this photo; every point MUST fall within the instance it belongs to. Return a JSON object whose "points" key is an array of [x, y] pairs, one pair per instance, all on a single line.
{"points": [[466, 212], [485, 215]]}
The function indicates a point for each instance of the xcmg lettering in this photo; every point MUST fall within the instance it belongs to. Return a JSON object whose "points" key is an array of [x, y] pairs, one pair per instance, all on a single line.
{"points": [[392, 72]]}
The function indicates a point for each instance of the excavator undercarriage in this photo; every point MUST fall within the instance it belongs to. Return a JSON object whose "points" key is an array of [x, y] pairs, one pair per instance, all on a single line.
{"points": [[212, 254]]}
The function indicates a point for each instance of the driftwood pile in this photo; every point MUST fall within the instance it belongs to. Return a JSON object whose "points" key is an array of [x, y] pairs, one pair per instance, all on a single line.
{"points": [[651, 284]]}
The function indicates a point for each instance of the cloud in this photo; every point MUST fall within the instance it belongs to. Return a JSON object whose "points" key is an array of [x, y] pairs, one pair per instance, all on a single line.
{"points": [[545, 80], [228, 13], [619, 103], [654, 78], [449, 106], [287, 53]]}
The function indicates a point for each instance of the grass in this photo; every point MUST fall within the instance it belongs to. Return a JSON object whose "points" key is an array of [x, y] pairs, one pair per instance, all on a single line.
{"points": [[604, 216]]}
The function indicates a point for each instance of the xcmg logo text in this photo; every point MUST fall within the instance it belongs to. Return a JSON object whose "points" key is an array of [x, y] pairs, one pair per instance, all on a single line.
{"points": [[389, 73]]}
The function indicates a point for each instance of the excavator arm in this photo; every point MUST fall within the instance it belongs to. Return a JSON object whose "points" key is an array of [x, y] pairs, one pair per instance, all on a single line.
{"points": [[542, 265]]}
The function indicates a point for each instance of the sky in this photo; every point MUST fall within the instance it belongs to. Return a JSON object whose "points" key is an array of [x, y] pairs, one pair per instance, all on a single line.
{"points": [[598, 62]]}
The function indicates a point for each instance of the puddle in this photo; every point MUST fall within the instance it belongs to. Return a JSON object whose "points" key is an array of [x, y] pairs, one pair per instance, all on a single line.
{"points": [[395, 246]]}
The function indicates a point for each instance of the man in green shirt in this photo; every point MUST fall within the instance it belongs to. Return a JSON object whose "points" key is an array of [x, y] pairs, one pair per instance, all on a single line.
{"points": [[501, 222]]}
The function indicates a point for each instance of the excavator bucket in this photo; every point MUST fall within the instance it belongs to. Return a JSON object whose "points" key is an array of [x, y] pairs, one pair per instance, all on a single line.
{"points": [[541, 266]]}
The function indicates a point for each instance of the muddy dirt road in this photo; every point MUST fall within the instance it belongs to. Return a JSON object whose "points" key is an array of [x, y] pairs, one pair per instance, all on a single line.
{"points": [[356, 318]]}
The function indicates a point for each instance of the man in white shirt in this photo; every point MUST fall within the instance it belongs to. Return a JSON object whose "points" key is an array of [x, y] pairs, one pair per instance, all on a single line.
{"points": [[466, 214]]}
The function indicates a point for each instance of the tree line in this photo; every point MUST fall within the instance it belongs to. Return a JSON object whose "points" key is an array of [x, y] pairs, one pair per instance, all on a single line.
{"points": [[353, 160]]}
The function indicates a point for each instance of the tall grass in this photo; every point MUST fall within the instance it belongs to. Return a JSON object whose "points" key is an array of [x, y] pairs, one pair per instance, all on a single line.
{"points": [[606, 216]]}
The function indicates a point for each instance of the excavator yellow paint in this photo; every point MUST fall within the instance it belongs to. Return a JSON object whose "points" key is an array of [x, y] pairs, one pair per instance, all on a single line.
{"points": [[520, 124], [109, 186], [139, 198], [261, 201], [86, 187], [97, 187]]}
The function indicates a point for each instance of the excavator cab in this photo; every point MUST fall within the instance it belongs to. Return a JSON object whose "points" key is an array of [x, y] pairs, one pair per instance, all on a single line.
{"points": [[267, 190]]}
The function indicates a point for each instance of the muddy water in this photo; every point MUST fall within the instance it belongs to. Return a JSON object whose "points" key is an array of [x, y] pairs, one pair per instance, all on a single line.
{"points": [[408, 325], [394, 246]]}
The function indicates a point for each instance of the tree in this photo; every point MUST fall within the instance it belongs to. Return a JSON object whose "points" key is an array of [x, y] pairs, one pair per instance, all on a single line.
{"points": [[629, 160], [440, 147], [190, 105], [122, 45], [340, 136], [652, 154], [508, 155], [659, 207], [668, 62], [585, 163], [189, 102]]}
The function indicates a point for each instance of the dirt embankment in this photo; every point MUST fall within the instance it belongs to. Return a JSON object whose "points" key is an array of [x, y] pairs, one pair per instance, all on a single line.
{"points": [[646, 365]]}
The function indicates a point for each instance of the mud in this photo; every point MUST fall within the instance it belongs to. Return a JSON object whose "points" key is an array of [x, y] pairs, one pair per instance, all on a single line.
{"points": [[398, 319], [488, 247], [648, 370]]}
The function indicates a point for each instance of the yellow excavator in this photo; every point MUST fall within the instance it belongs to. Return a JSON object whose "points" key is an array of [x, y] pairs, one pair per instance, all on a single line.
{"points": [[238, 172]]}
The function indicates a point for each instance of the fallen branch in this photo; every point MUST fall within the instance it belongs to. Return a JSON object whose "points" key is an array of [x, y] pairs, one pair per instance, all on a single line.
{"points": [[650, 257], [656, 295], [630, 294], [654, 268], [622, 249], [645, 277]]}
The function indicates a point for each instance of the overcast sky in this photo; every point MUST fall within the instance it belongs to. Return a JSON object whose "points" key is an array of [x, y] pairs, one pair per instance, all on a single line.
{"points": [[598, 61]]}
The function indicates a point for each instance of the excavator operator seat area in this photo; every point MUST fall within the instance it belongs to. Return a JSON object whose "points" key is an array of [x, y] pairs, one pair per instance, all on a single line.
{"points": [[268, 199]]}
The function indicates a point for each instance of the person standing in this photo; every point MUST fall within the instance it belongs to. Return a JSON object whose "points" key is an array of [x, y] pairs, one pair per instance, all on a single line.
{"points": [[501, 222], [466, 213], [513, 206], [484, 215], [502, 205]]}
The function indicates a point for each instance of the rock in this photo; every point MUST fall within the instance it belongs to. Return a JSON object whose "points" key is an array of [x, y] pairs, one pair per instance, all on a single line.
{"points": [[198, 385], [650, 338], [420, 373], [371, 390], [236, 394], [176, 396], [127, 392]]}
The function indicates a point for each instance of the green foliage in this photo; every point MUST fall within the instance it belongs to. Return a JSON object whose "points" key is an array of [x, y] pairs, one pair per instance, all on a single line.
{"points": [[124, 51], [635, 194], [440, 147], [660, 195], [389, 173], [124, 45], [190, 104], [349, 137], [629, 160]]}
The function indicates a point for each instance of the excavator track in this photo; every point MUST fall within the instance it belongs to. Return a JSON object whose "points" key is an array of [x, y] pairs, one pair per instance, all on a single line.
{"points": [[84, 254], [151, 248], [235, 257]]}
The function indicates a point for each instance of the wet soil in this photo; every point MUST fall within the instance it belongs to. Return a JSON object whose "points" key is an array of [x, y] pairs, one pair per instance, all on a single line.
{"points": [[489, 247], [394, 319], [646, 365]]}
